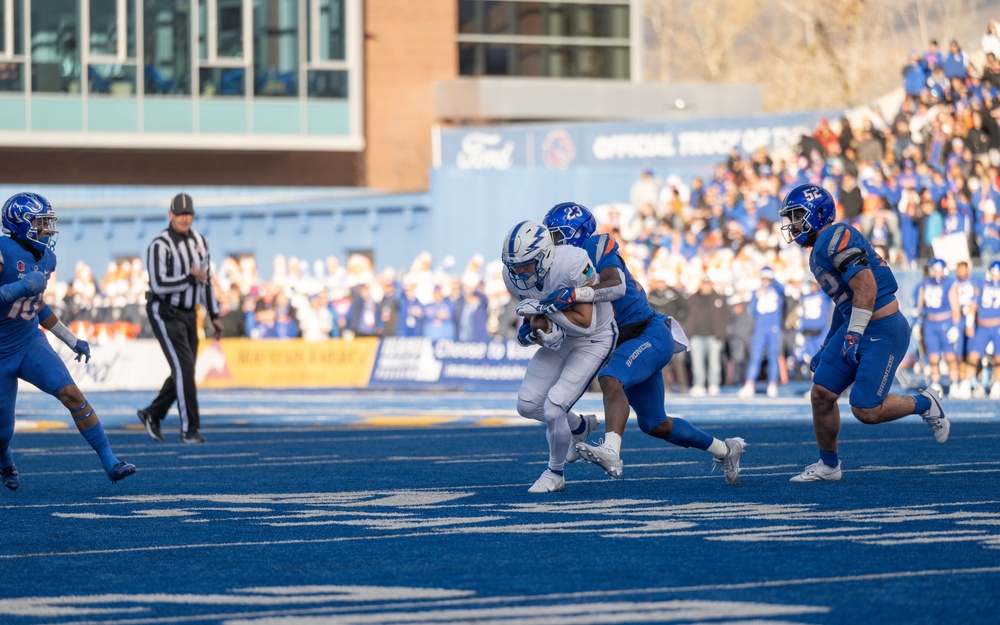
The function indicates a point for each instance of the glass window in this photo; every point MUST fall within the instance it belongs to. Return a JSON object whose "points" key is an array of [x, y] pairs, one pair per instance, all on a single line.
{"points": [[276, 47], [222, 81], [12, 69], [529, 19], [328, 84], [467, 63], [166, 47], [498, 60], [112, 79], [529, 60], [498, 18], [104, 27], [229, 27], [469, 16], [55, 50], [327, 31]]}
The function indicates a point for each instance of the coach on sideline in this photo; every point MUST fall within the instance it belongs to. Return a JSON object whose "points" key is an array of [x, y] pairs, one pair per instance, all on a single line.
{"points": [[180, 278]]}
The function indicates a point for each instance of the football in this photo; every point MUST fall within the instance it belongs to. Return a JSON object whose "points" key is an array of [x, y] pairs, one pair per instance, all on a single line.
{"points": [[541, 323]]}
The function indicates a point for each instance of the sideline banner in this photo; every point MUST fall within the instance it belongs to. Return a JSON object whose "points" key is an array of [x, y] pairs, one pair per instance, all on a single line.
{"points": [[422, 363], [136, 365], [673, 143], [249, 363]]}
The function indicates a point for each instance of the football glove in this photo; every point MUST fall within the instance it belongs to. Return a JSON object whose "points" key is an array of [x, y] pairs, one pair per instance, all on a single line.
{"points": [[557, 300], [525, 334], [849, 353], [528, 307], [814, 361], [952, 335], [32, 284], [82, 350]]}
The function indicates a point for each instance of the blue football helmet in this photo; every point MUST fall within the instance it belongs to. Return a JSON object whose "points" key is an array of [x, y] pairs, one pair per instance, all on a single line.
{"points": [[937, 269], [804, 211], [30, 218], [993, 271], [527, 254], [570, 223]]}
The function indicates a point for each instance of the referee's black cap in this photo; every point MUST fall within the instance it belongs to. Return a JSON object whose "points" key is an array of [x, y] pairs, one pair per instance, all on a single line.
{"points": [[182, 204]]}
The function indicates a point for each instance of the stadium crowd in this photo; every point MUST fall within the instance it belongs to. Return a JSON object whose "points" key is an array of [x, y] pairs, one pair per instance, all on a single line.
{"points": [[922, 182]]}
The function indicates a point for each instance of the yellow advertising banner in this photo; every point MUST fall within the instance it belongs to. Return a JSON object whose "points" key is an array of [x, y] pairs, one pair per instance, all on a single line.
{"points": [[248, 363]]}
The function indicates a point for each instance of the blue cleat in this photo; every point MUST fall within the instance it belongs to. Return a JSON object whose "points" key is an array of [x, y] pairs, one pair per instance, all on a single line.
{"points": [[121, 471], [10, 477]]}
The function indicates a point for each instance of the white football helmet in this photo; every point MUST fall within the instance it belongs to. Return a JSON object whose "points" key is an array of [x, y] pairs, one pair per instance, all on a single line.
{"points": [[527, 253]]}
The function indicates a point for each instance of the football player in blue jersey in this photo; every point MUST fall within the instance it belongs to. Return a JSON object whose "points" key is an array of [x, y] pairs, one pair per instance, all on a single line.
{"points": [[868, 336], [647, 341], [985, 310], [27, 260], [939, 314]]}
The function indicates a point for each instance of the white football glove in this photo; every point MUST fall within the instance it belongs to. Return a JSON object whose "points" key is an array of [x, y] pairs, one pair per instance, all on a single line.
{"points": [[552, 339], [952, 335], [529, 307]]}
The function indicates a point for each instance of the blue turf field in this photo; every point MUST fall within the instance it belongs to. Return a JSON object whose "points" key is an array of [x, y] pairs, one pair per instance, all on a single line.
{"points": [[308, 514]]}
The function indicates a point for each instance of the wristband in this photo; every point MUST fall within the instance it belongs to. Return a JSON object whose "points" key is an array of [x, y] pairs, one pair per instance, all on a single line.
{"points": [[859, 320], [584, 294], [63, 334]]}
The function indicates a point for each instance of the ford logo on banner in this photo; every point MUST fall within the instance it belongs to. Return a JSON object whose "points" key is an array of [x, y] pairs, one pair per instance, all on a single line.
{"points": [[481, 150]]}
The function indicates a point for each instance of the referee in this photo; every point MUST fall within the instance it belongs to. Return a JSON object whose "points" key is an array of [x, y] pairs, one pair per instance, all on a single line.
{"points": [[180, 277]]}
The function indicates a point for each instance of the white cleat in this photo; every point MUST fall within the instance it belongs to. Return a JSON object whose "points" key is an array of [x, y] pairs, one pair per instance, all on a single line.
{"points": [[603, 456], [697, 391], [937, 388], [549, 482], [713, 390], [818, 472], [995, 391], [746, 391], [731, 461], [934, 416], [590, 424], [772, 390]]}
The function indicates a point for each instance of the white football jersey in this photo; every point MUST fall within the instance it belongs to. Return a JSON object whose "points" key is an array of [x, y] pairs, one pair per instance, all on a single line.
{"points": [[570, 268]]}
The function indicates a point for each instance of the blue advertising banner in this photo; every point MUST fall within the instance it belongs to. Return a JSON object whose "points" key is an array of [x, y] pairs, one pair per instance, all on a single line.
{"points": [[633, 144], [423, 363]]}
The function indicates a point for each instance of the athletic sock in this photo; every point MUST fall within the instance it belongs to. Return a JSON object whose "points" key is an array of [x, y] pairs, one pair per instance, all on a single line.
{"points": [[718, 449], [829, 458], [684, 434], [577, 424], [923, 404], [559, 472], [612, 440], [99, 441]]}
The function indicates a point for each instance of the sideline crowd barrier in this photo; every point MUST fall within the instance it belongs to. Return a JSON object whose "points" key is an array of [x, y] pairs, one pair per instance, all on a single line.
{"points": [[390, 363]]}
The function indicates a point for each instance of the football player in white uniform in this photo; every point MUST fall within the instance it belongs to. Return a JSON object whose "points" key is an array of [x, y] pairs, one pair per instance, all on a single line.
{"points": [[579, 339]]}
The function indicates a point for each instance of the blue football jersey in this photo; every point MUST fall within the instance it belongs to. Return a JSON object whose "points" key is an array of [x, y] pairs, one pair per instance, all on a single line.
{"points": [[19, 319], [936, 295], [987, 298], [633, 306], [829, 263]]}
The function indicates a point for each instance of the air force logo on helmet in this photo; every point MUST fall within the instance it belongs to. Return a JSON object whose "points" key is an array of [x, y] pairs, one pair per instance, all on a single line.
{"points": [[527, 254]]}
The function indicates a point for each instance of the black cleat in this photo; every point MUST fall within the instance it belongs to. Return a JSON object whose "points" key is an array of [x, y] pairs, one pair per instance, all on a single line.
{"points": [[10, 477], [152, 425], [192, 437], [121, 471]]}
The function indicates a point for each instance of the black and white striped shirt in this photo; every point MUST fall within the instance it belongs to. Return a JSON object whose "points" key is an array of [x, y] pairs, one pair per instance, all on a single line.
{"points": [[169, 259]]}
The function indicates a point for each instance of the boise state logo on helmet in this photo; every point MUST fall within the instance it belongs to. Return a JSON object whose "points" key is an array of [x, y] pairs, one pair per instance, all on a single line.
{"points": [[30, 218], [804, 211], [570, 223], [527, 254]]}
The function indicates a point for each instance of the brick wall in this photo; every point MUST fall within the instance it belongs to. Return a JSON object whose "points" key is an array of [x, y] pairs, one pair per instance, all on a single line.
{"points": [[409, 44]]}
